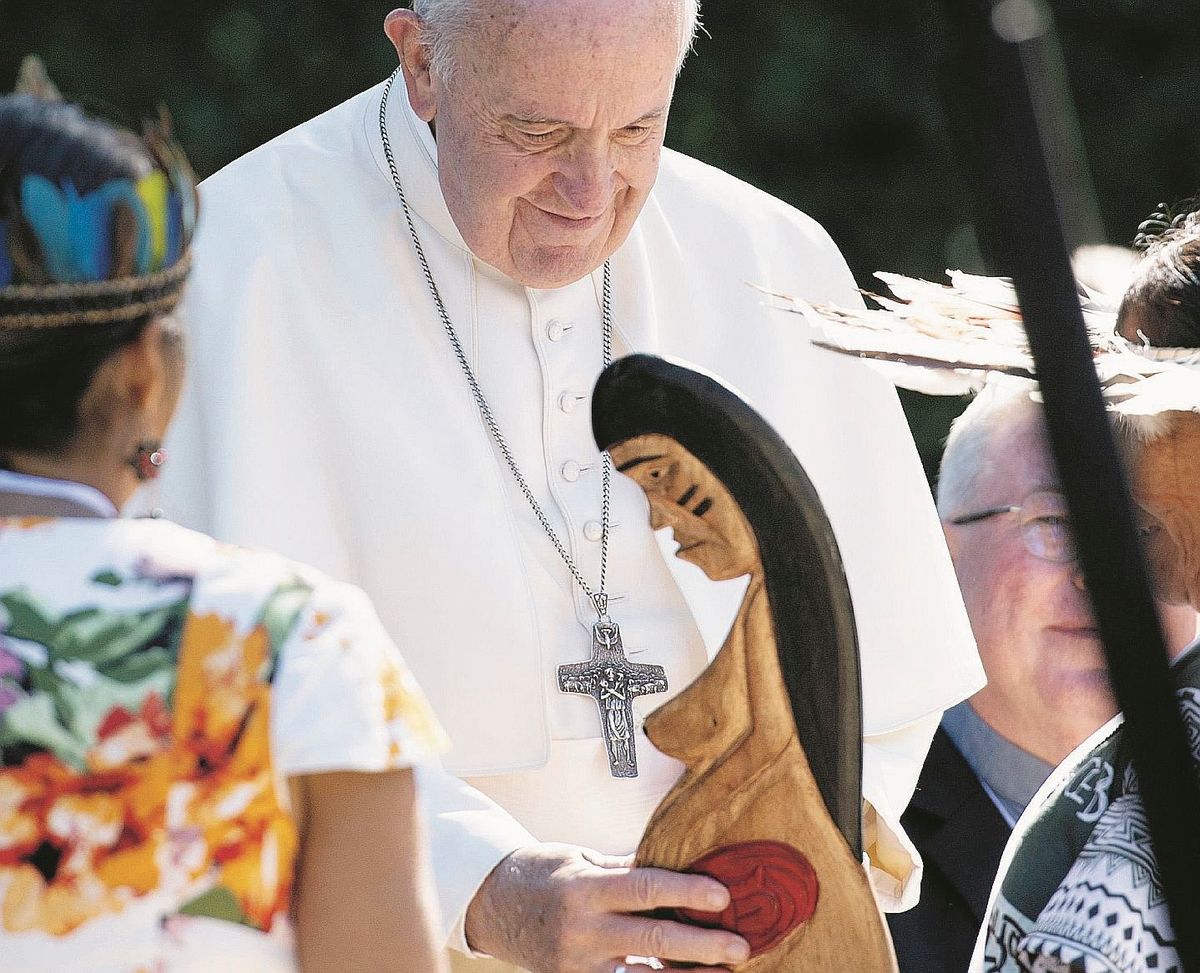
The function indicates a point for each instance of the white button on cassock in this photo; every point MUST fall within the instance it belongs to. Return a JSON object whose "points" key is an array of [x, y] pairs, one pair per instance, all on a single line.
{"points": [[571, 470], [556, 330], [593, 530]]}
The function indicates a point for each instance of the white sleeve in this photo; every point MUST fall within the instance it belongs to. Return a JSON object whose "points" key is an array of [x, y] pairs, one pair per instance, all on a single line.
{"points": [[891, 765], [342, 698], [469, 836]]}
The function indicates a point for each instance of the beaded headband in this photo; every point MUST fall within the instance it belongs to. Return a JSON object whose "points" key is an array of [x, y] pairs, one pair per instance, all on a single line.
{"points": [[61, 248]]}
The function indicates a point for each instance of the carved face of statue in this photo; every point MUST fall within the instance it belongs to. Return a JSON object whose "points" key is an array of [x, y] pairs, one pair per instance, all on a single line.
{"points": [[710, 529]]}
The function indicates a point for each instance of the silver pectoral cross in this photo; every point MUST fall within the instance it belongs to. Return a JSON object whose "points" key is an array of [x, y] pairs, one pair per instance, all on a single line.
{"points": [[613, 682]]}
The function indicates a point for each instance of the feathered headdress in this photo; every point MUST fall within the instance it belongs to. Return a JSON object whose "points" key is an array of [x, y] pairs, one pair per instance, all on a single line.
{"points": [[113, 254], [947, 339]]}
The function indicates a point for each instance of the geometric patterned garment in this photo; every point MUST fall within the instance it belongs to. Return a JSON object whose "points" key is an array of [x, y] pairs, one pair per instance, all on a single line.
{"points": [[157, 690], [1082, 892]]}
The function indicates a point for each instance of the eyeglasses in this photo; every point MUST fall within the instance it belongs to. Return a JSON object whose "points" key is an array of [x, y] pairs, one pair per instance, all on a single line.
{"points": [[1043, 522]]}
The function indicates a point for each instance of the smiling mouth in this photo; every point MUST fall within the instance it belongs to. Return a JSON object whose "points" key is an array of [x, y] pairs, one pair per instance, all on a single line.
{"points": [[572, 222], [564, 222]]}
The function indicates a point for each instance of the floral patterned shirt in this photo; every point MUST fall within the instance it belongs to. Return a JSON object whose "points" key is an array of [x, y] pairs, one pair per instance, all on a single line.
{"points": [[157, 690]]}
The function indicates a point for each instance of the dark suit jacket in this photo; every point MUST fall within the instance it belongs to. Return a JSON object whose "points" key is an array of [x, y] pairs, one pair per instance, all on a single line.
{"points": [[960, 835]]}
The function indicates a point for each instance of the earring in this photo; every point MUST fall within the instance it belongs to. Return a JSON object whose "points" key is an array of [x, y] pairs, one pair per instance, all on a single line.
{"points": [[147, 460]]}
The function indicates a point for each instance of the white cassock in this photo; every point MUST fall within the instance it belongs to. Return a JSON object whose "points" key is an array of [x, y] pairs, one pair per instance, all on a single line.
{"points": [[327, 417]]}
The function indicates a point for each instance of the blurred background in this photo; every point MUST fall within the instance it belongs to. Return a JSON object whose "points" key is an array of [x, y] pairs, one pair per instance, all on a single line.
{"points": [[832, 105]]}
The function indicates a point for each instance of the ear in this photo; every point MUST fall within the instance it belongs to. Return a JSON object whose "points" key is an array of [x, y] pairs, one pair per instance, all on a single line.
{"points": [[404, 29], [142, 377]]}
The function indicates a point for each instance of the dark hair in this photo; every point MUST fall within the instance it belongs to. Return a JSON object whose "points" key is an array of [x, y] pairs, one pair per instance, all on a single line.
{"points": [[1163, 302], [45, 372]]}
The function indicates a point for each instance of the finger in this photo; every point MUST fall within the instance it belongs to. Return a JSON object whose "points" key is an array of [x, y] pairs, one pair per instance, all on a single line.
{"points": [[645, 889], [675, 942]]}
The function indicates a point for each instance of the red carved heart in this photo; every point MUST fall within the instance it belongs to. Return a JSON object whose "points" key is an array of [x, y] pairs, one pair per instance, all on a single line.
{"points": [[772, 887]]}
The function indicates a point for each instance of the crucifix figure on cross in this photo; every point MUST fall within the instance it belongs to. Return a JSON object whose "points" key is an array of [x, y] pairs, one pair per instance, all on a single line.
{"points": [[613, 682]]}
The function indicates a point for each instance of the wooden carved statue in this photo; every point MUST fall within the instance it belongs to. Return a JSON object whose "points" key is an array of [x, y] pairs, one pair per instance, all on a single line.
{"points": [[771, 801]]}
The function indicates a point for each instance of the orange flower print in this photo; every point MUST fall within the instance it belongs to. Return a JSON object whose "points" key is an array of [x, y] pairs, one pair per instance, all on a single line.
{"points": [[219, 673], [401, 702], [168, 798], [125, 737], [29, 902], [25, 523], [19, 827], [53, 885]]}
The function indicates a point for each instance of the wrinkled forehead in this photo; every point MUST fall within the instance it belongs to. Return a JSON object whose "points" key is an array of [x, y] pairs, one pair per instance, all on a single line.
{"points": [[1017, 460], [585, 23], [555, 57]]}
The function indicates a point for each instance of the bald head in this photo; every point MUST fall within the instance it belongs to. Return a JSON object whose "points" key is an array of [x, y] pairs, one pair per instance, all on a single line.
{"points": [[449, 22]]}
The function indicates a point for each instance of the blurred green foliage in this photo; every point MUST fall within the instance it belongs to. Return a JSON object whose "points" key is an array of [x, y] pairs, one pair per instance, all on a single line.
{"points": [[829, 104]]}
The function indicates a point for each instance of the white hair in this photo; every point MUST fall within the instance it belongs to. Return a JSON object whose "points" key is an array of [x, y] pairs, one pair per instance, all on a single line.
{"points": [[446, 21], [1002, 400]]}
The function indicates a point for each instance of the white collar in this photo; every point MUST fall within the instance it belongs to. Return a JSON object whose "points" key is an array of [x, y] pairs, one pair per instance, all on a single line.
{"points": [[415, 152], [80, 494]]}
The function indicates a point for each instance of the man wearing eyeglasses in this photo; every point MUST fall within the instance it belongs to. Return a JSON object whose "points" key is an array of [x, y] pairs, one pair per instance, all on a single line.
{"points": [[1007, 529]]}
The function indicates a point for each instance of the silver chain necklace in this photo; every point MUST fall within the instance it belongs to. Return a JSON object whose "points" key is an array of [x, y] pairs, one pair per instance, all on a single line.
{"points": [[608, 677]]}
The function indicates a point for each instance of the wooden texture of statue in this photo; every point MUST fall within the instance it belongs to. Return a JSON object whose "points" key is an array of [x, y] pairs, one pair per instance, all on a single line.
{"points": [[747, 809]]}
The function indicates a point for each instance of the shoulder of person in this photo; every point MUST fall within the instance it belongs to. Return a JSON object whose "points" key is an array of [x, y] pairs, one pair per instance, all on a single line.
{"points": [[734, 231], [266, 180], [168, 550], [688, 186]]}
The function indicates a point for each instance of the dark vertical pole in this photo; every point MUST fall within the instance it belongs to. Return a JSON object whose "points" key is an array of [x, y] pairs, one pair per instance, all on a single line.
{"points": [[1008, 97]]}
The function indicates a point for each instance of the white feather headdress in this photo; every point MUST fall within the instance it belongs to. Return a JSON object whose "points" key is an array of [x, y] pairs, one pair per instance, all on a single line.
{"points": [[946, 339]]}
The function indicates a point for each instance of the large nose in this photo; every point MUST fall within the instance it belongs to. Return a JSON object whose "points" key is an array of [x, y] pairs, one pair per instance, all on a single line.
{"points": [[585, 178]]}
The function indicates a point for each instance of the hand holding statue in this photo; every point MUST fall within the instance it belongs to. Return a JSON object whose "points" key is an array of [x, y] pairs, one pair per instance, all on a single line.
{"points": [[556, 908]]}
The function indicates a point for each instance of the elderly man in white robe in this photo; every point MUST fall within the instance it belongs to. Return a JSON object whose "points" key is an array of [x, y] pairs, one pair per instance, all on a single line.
{"points": [[399, 310]]}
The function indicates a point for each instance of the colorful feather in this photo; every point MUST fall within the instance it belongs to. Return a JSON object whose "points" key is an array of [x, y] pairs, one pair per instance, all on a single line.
{"points": [[45, 210], [6, 265], [152, 191], [124, 228], [174, 227], [75, 231], [89, 223]]}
